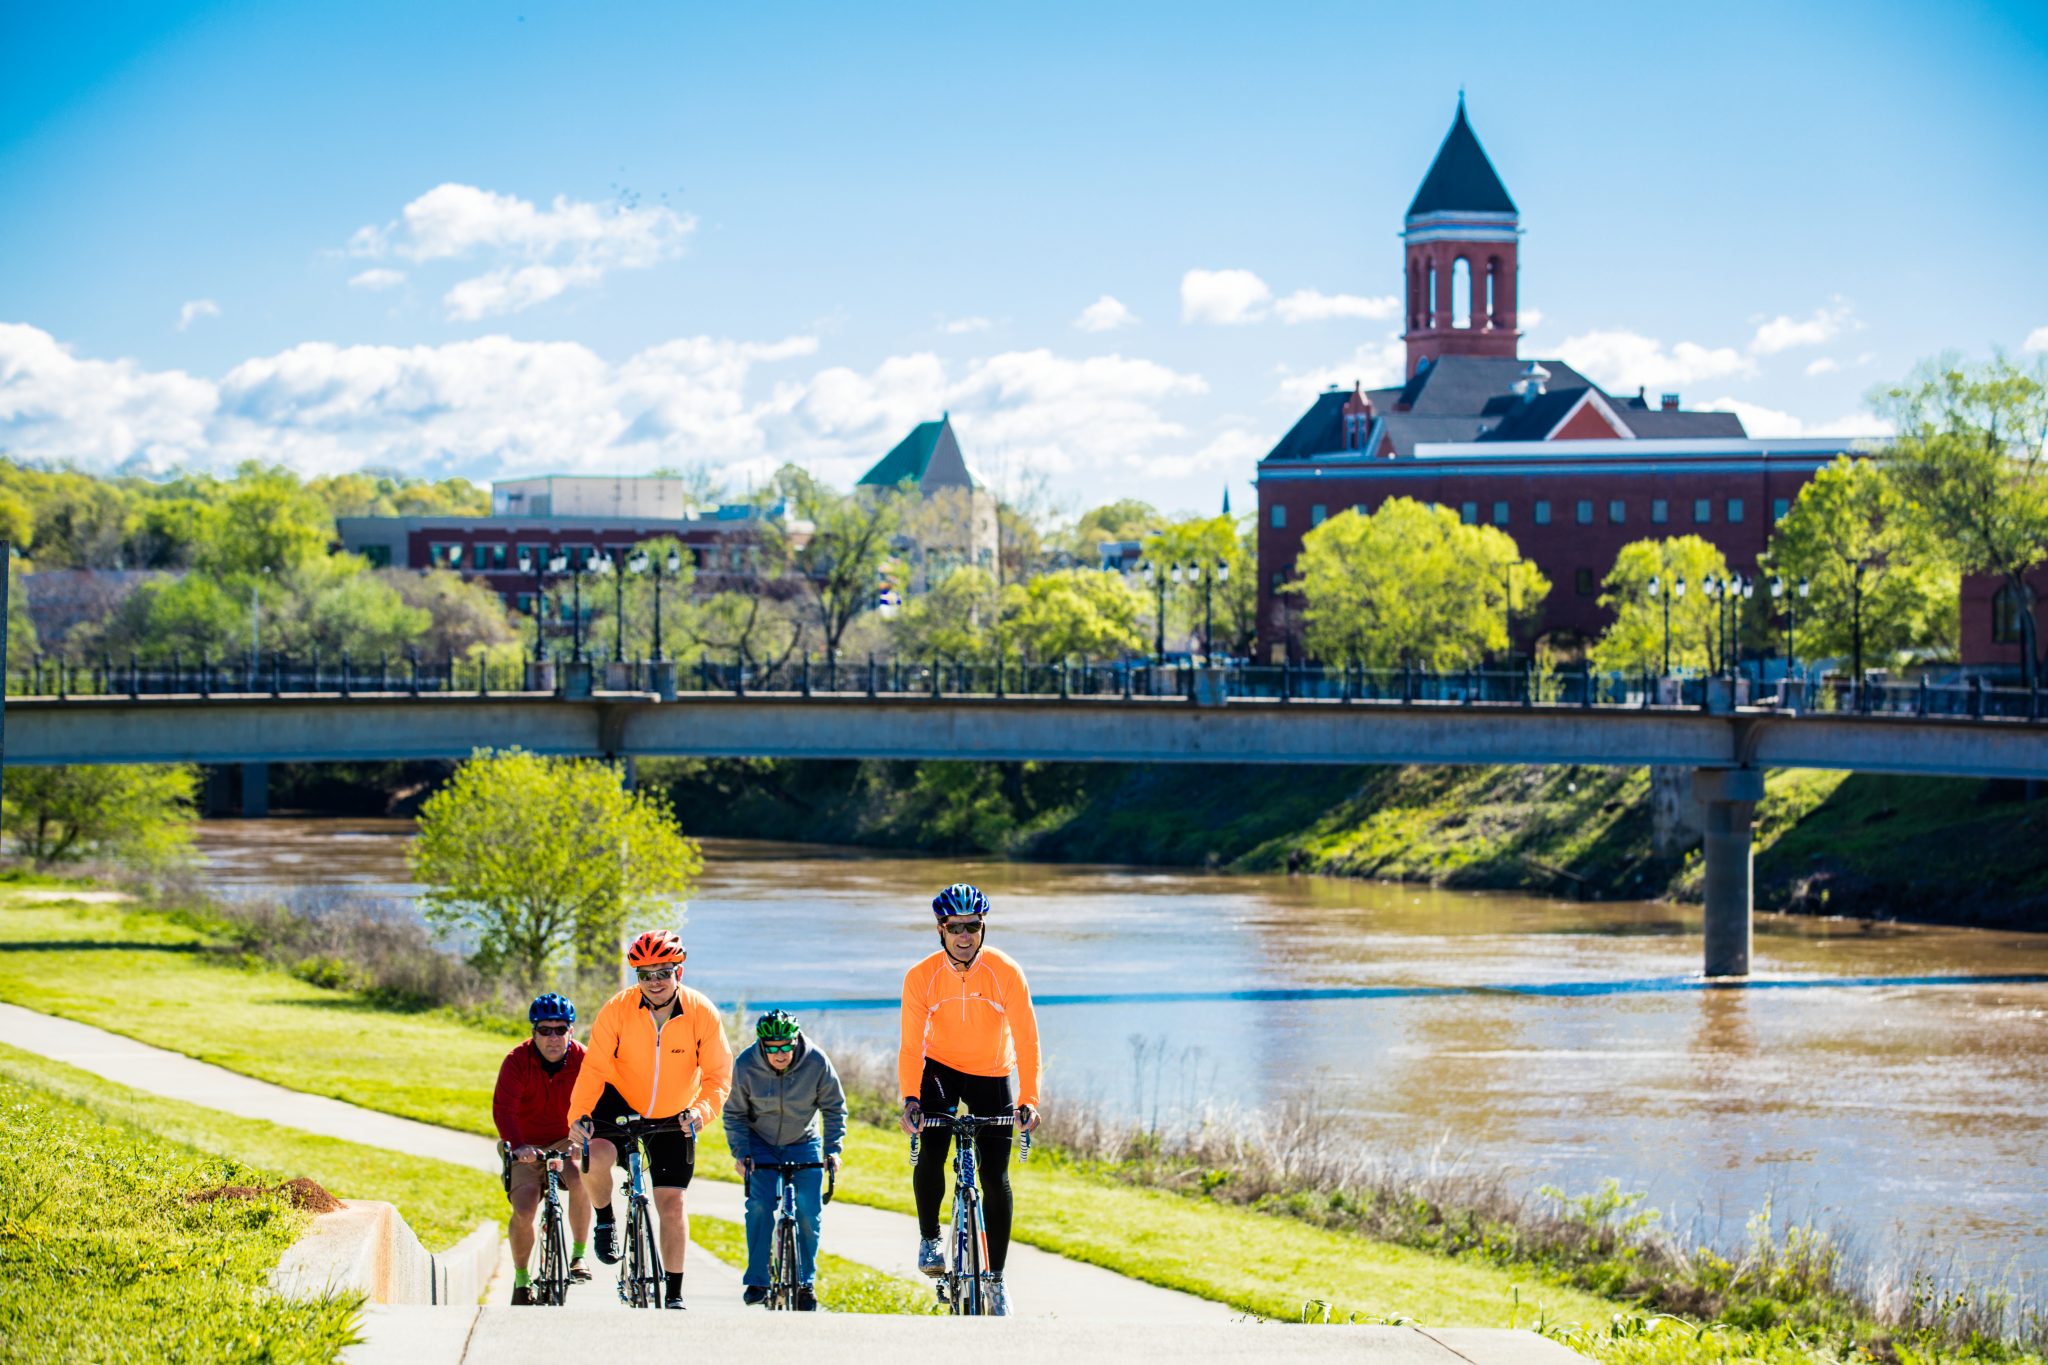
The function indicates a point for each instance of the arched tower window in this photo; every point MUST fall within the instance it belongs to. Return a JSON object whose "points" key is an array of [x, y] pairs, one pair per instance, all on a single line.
{"points": [[1429, 303], [1461, 293], [1493, 292], [1414, 293]]}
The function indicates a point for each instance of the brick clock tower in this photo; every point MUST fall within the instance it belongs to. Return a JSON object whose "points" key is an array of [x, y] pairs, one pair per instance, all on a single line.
{"points": [[1460, 238]]}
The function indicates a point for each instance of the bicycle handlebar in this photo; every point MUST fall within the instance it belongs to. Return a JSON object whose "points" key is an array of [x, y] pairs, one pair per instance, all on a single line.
{"points": [[964, 1124], [792, 1167]]}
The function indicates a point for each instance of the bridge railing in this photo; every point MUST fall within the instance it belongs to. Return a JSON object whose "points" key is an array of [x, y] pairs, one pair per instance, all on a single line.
{"points": [[1133, 680]]}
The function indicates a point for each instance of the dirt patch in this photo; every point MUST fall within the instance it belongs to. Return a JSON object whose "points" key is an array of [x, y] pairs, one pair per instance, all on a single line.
{"points": [[45, 895], [302, 1194]]}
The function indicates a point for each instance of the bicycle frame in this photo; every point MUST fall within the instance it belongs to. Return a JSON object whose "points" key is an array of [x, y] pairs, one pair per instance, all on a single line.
{"points": [[551, 1286], [963, 1288], [782, 1282], [642, 1281]]}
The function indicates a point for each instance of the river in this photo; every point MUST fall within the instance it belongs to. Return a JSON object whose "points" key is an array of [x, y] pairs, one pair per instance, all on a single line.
{"points": [[1854, 1082]]}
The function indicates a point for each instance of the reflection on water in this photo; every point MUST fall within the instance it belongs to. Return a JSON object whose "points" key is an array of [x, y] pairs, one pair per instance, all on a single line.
{"points": [[1890, 1080]]}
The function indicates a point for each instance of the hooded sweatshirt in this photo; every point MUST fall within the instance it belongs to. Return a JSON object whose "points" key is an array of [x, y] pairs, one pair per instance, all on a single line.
{"points": [[778, 1109]]}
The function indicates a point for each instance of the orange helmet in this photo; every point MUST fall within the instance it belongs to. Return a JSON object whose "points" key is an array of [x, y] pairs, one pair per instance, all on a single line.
{"points": [[655, 947]]}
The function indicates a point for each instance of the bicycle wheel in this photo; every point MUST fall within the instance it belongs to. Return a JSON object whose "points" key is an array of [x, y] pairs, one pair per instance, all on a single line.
{"points": [[554, 1259], [647, 1256], [967, 1296], [784, 1293]]}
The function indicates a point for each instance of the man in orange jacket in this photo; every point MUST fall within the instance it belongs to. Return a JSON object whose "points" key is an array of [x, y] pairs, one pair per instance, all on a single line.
{"points": [[658, 1050], [967, 1024]]}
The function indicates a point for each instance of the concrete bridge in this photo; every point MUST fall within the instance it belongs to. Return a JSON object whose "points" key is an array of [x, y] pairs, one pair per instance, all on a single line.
{"points": [[1728, 749]]}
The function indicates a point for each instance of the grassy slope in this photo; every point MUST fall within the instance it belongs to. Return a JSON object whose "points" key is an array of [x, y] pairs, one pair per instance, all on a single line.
{"points": [[65, 959]]}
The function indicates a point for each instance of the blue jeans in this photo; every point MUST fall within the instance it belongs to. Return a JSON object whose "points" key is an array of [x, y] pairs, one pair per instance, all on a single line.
{"points": [[764, 1194]]}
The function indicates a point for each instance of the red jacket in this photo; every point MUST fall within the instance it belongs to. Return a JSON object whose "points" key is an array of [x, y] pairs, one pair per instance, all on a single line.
{"points": [[531, 1107]]}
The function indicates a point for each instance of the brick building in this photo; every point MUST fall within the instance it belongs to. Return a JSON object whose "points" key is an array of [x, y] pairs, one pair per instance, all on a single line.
{"points": [[1569, 470]]}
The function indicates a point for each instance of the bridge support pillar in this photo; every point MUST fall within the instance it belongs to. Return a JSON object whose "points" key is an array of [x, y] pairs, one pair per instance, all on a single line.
{"points": [[255, 790], [1728, 798]]}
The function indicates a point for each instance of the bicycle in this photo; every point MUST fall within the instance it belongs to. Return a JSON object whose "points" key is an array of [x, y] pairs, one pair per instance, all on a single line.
{"points": [[551, 1286], [641, 1278], [782, 1280], [964, 1286]]}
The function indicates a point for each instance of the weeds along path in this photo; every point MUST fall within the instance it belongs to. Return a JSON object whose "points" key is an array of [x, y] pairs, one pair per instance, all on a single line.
{"points": [[1046, 1284]]}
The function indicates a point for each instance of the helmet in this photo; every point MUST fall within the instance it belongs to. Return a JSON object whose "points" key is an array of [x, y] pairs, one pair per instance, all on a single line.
{"points": [[655, 948], [776, 1024], [959, 899], [551, 1006]]}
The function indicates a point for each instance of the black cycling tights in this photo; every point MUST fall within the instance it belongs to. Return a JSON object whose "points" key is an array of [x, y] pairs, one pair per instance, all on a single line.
{"points": [[943, 1091]]}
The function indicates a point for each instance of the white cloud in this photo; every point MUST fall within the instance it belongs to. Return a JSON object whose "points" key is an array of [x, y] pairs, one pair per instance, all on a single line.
{"points": [[1234, 446], [1620, 360], [2037, 340], [1783, 333], [1306, 305], [377, 277], [1529, 319], [539, 253], [1375, 366], [1769, 423], [494, 406], [962, 326], [195, 309], [1227, 297], [1824, 365], [1106, 314]]}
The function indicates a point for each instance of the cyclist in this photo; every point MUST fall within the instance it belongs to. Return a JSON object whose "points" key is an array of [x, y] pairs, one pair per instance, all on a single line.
{"points": [[780, 1087], [529, 1107], [967, 1023], [657, 1050]]}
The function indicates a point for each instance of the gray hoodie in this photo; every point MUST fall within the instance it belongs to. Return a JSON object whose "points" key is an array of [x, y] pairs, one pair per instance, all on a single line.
{"points": [[781, 1109]]}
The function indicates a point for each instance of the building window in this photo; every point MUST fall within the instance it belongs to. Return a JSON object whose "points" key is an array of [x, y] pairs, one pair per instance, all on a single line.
{"points": [[1660, 511], [1356, 425], [2007, 609], [534, 557], [1779, 507], [1585, 583], [1461, 293], [1279, 517], [1500, 514], [1468, 512], [376, 556], [1585, 512], [1617, 511], [1734, 509], [1359, 508], [489, 558], [1702, 511], [523, 603], [1542, 512], [1318, 514]]}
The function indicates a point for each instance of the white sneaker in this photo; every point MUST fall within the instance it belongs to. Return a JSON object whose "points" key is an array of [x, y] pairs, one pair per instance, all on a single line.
{"points": [[998, 1298], [931, 1258]]}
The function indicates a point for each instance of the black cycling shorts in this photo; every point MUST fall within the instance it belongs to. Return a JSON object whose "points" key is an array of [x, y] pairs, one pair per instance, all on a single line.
{"points": [[671, 1154]]}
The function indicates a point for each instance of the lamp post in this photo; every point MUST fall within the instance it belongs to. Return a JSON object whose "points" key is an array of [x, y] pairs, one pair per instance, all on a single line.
{"points": [[1155, 575], [1675, 593], [538, 567], [1507, 608], [560, 565], [1779, 589], [642, 562], [607, 565], [1219, 574]]}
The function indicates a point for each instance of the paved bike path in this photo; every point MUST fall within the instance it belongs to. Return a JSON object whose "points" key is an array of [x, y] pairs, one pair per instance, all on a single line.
{"points": [[1042, 1284]]}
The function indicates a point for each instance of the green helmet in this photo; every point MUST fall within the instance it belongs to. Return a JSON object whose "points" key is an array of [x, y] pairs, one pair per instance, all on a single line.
{"points": [[776, 1024]]}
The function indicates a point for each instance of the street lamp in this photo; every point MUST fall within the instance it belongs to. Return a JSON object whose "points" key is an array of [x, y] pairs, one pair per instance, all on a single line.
{"points": [[1507, 609], [1778, 590], [537, 566], [1219, 574], [1155, 576], [1676, 594], [605, 565], [642, 562], [560, 564]]}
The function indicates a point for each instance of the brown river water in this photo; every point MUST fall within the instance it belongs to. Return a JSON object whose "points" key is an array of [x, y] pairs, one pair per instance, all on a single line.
{"points": [[1868, 1078]]}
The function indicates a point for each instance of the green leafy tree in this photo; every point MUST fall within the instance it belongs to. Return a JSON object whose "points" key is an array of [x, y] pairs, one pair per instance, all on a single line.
{"points": [[266, 520], [1075, 613], [839, 563], [139, 814], [1634, 641], [1204, 543], [463, 614], [548, 860], [604, 596], [957, 619], [1971, 460], [188, 616], [1124, 519], [1875, 586], [761, 628], [1411, 585], [386, 493]]}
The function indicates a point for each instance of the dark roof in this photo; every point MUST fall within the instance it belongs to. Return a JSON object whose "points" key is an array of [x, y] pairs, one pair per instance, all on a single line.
{"points": [[1681, 425], [1461, 177], [1320, 430], [1532, 421], [1406, 430], [929, 455], [1461, 384]]}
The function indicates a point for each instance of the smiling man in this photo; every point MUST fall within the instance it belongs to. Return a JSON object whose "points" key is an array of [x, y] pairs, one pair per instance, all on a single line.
{"points": [[534, 1084]]}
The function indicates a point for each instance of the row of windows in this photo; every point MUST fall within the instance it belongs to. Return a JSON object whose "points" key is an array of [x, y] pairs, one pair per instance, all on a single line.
{"points": [[497, 557], [1733, 510]]}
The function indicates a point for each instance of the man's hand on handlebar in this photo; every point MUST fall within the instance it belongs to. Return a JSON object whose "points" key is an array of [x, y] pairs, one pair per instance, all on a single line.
{"points": [[1028, 1117], [526, 1155], [913, 1118], [582, 1129], [742, 1167], [833, 1163]]}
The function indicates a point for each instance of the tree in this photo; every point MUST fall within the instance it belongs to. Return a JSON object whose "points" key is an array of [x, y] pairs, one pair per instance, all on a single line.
{"points": [[1634, 641], [545, 860], [1124, 519], [1875, 587], [266, 520], [760, 628], [462, 613], [1411, 585], [1971, 460], [1075, 613], [840, 563], [1204, 543], [136, 813], [957, 619]]}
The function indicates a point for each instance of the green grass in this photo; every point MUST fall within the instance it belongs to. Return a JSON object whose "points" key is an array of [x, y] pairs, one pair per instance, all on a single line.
{"points": [[101, 1258], [843, 1286]]}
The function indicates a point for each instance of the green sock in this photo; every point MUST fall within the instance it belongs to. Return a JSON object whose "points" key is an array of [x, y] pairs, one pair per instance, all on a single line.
{"points": [[520, 1279], [577, 1254]]}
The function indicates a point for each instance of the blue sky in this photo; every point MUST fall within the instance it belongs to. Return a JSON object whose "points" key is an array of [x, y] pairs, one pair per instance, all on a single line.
{"points": [[1121, 244]]}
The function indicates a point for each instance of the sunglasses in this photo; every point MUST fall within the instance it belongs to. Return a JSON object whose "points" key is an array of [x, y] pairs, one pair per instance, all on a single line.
{"points": [[550, 1030], [656, 973], [778, 1047], [972, 926]]}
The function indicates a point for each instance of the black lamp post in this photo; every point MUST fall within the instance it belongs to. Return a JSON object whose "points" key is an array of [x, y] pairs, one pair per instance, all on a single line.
{"points": [[1779, 588], [1155, 574], [642, 562], [561, 564], [537, 566], [1219, 574], [1676, 593], [606, 564]]}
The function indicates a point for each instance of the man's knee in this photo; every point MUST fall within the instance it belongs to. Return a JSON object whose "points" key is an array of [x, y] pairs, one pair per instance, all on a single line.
{"points": [[525, 1203]]}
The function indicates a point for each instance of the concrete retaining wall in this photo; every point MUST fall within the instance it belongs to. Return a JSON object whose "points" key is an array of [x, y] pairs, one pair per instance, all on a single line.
{"points": [[367, 1246]]}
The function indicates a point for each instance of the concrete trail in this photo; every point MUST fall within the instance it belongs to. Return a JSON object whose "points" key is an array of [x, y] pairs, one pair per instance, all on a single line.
{"points": [[1041, 1283]]}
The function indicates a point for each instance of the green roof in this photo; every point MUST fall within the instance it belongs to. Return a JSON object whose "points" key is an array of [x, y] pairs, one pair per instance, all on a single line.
{"points": [[928, 456]]}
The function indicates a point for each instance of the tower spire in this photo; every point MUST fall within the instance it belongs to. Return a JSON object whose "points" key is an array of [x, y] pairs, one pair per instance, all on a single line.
{"points": [[1461, 236]]}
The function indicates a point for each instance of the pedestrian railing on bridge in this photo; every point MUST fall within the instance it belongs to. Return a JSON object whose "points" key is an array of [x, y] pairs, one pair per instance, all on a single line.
{"points": [[63, 679]]}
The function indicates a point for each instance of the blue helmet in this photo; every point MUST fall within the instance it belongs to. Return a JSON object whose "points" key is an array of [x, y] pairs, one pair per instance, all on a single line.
{"points": [[959, 899], [551, 1006]]}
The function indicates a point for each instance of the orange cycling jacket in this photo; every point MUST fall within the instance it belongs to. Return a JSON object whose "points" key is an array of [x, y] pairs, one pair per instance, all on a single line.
{"points": [[688, 1065], [980, 1022]]}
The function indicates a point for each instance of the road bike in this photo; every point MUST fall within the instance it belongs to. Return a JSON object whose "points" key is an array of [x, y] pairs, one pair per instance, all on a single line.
{"points": [[964, 1286], [641, 1279], [782, 1261], [551, 1286]]}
